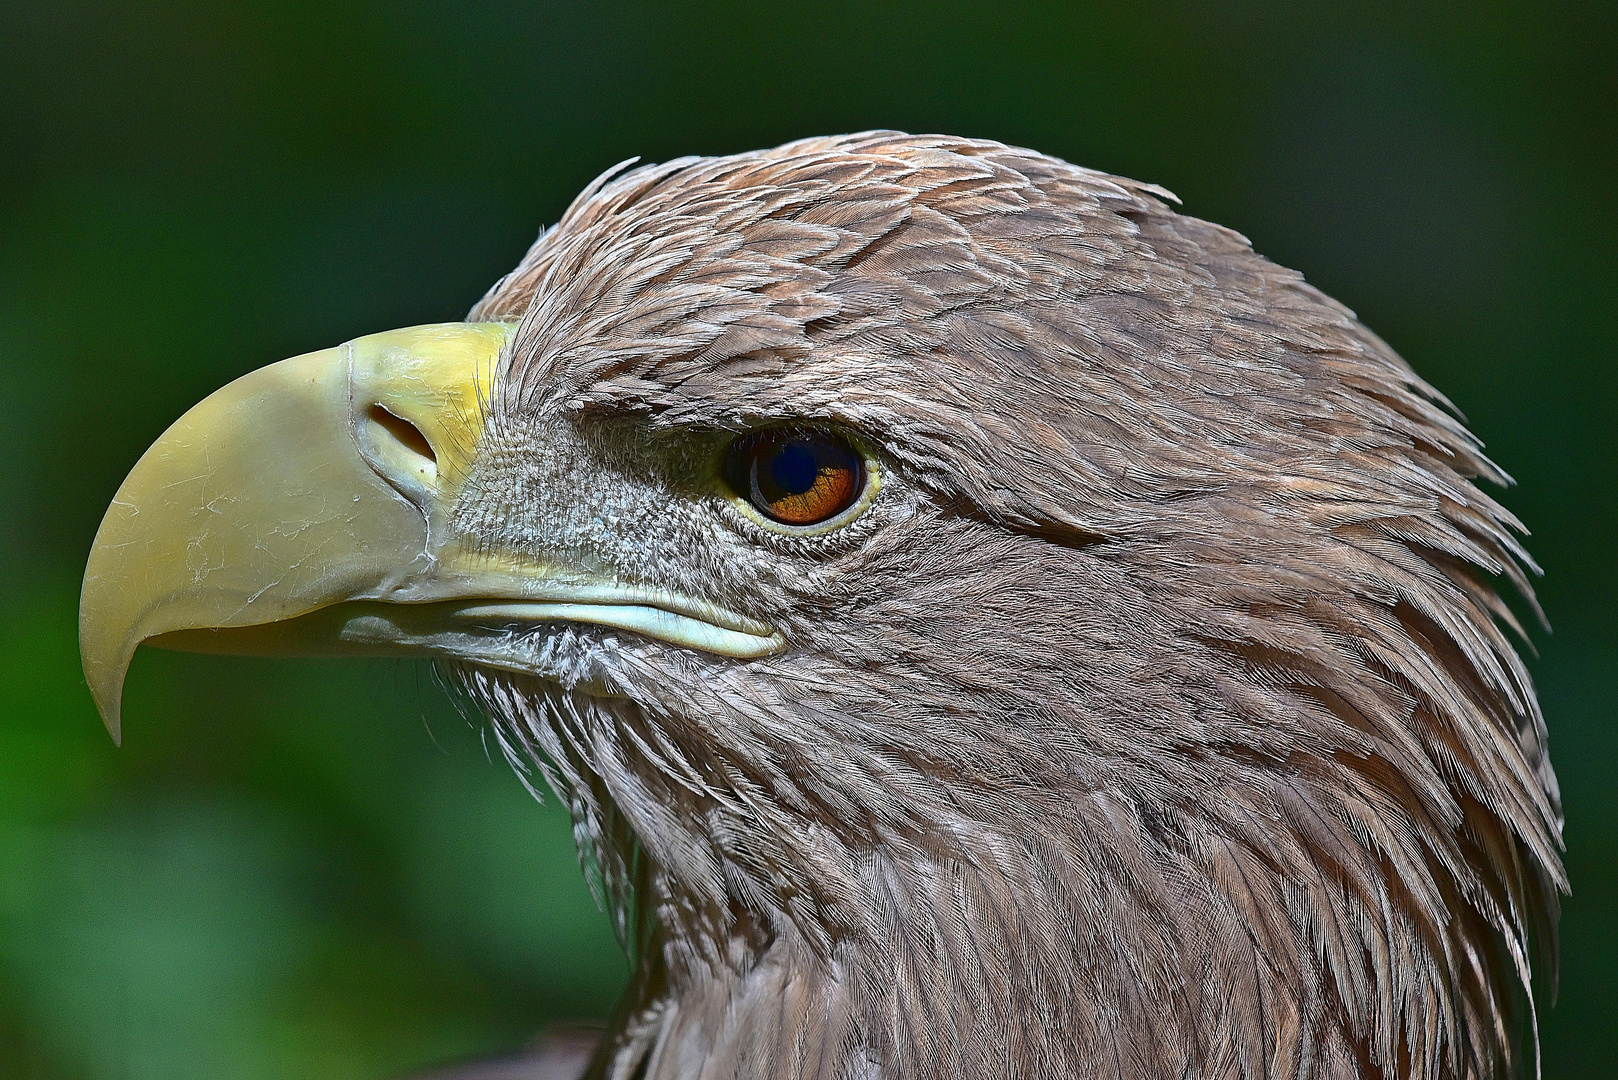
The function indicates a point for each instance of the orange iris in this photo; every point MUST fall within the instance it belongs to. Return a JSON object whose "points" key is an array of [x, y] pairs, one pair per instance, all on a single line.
{"points": [[795, 477]]}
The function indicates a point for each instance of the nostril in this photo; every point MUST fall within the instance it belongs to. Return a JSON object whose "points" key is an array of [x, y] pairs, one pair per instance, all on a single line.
{"points": [[398, 450], [402, 430]]}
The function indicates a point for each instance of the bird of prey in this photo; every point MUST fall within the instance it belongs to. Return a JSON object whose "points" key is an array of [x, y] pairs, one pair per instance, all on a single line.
{"points": [[984, 622]]}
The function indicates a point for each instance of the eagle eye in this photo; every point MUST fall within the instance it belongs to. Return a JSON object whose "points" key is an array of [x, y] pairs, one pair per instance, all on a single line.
{"points": [[795, 477]]}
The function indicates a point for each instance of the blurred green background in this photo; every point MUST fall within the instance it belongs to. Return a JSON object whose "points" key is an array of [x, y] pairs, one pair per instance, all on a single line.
{"points": [[318, 869]]}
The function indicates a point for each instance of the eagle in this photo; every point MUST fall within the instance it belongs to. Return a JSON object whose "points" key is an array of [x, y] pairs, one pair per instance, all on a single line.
{"points": [[983, 622]]}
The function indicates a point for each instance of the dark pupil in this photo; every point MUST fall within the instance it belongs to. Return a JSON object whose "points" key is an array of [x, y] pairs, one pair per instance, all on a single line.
{"points": [[794, 468]]}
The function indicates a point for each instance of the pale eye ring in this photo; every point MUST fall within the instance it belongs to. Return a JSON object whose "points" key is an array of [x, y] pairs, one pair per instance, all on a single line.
{"points": [[795, 477]]}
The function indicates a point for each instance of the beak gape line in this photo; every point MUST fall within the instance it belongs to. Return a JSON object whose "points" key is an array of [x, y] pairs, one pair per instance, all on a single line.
{"points": [[303, 510]]}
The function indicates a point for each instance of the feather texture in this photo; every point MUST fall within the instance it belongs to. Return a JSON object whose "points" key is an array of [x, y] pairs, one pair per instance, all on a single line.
{"points": [[1159, 719]]}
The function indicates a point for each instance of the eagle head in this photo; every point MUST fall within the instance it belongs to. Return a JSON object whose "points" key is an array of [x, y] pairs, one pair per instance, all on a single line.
{"points": [[984, 622]]}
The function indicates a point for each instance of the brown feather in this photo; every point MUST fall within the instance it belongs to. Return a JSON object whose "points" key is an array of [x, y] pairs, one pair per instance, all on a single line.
{"points": [[1159, 719]]}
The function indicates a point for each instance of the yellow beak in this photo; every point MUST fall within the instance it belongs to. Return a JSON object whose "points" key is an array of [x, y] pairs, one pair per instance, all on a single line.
{"points": [[314, 481], [305, 509]]}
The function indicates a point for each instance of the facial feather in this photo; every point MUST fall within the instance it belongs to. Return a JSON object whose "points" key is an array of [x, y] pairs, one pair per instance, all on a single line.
{"points": [[1158, 717]]}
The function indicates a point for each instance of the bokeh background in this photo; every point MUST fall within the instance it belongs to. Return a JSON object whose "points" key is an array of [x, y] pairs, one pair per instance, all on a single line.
{"points": [[319, 869]]}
